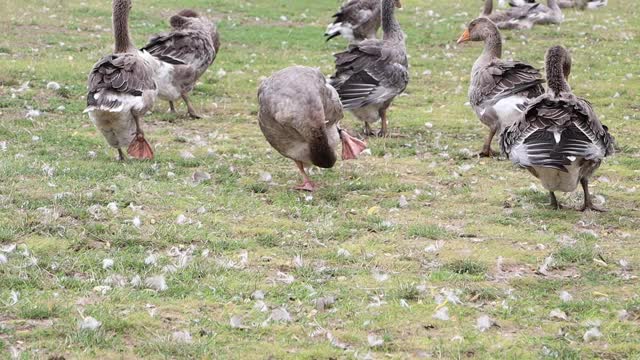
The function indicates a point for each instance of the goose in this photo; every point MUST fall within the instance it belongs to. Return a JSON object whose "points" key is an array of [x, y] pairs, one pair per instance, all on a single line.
{"points": [[191, 47], [122, 89], [559, 139], [299, 115], [369, 75], [546, 15], [565, 4], [512, 18], [356, 20], [498, 87]]}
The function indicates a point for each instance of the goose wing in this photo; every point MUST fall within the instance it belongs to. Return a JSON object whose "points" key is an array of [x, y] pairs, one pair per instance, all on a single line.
{"points": [[502, 79], [555, 132], [182, 47], [370, 73], [124, 73]]}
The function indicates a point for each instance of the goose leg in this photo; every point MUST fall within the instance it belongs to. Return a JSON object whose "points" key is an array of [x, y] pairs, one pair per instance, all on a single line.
{"points": [[554, 201], [307, 184], [172, 107], [588, 205], [139, 147], [383, 118], [486, 148], [121, 156], [190, 109], [367, 129]]}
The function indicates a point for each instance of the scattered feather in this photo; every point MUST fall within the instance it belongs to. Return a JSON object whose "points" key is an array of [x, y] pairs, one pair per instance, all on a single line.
{"points": [[107, 263], [115, 280], [52, 85], [157, 283], [558, 314], [337, 343], [284, 278], [261, 306], [113, 207], [442, 314], [152, 259], [402, 202], [258, 295], [136, 281], [592, 334], [265, 177], [8, 248], [374, 340], [484, 323], [182, 337], [102, 289], [344, 253], [14, 297], [236, 322], [380, 276], [186, 155], [324, 303], [544, 268], [280, 315], [89, 323], [623, 315], [565, 296], [199, 177]]}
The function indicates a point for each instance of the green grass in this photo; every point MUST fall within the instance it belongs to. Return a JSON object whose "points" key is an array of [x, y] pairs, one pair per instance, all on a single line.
{"points": [[386, 267]]}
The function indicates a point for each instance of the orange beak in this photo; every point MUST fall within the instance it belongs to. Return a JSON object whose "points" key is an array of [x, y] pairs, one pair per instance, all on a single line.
{"points": [[466, 36]]}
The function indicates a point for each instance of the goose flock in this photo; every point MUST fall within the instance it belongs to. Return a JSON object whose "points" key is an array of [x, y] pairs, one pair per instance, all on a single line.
{"points": [[552, 133]]}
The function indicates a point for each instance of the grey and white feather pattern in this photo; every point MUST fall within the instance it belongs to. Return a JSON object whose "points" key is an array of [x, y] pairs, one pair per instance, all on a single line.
{"points": [[555, 132], [356, 20], [369, 73]]}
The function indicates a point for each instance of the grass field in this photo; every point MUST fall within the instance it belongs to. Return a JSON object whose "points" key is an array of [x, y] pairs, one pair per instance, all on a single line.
{"points": [[241, 266]]}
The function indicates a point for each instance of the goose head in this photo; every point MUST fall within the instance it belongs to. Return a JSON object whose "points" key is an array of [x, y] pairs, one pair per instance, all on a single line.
{"points": [[182, 19], [479, 30]]}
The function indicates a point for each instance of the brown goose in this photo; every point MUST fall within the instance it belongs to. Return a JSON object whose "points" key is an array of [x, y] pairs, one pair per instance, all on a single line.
{"points": [[545, 15], [355, 21], [566, 4], [560, 139], [512, 18], [299, 115], [369, 75], [191, 47], [122, 89], [498, 88]]}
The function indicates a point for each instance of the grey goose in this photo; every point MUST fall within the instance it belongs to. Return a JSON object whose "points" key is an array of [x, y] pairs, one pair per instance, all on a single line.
{"points": [[356, 20], [498, 87], [560, 139], [191, 46], [122, 89], [370, 74], [299, 114]]}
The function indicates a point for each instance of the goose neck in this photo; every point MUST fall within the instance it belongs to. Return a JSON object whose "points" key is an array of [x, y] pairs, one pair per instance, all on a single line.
{"points": [[493, 46], [390, 26], [488, 8], [121, 9]]}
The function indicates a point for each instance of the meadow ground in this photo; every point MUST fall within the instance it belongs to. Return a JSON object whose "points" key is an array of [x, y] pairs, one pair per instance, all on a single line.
{"points": [[418, 228]]}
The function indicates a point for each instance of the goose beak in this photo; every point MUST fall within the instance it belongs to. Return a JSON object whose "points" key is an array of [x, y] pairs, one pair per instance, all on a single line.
{"points": [[466, 36]]}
